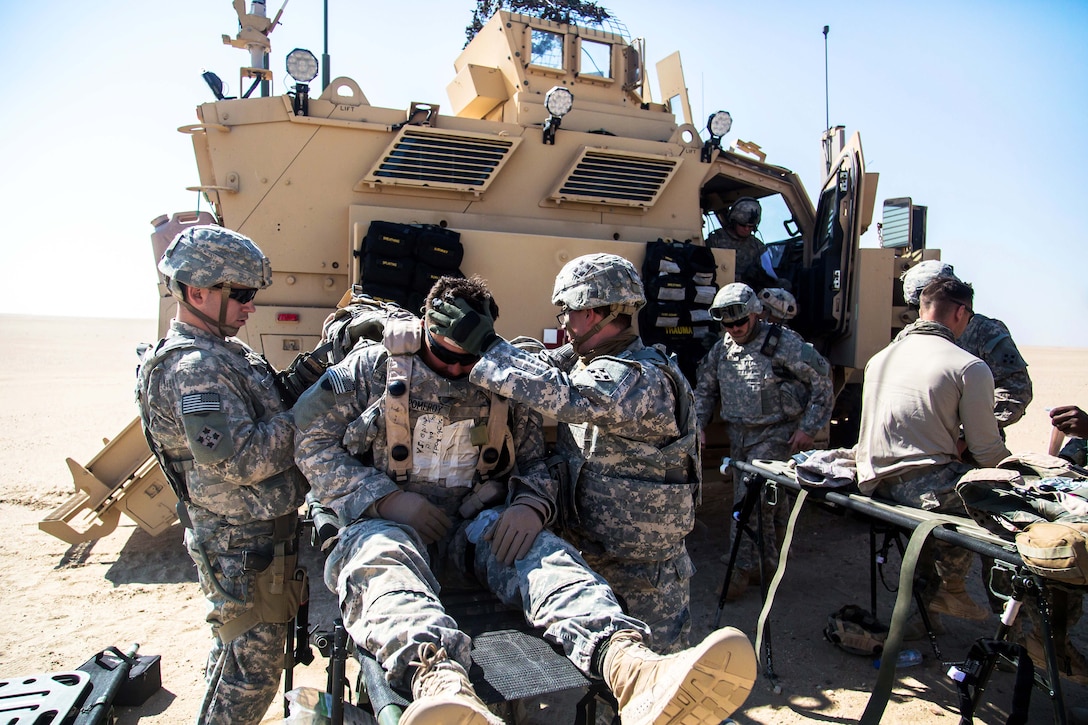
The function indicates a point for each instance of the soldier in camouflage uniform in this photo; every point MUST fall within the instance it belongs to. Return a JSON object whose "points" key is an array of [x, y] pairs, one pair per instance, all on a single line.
{"points": [[987, 339], [753, 261], [631, 471], [405, 476], [774, 395], [226, 440]]}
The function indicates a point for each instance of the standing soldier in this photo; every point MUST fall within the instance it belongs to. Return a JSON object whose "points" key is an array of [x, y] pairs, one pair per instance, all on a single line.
{"points": [[225, 439], [753, 261], [775, 396], [987, 339], [626, 431]]}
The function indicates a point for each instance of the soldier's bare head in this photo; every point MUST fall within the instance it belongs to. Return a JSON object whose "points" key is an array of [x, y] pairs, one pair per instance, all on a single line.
{"points": [[472, 290], [948, 301]]}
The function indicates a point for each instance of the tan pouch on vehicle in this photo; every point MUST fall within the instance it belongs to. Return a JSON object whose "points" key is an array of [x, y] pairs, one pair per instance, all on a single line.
{"points": [[1056, 550]]}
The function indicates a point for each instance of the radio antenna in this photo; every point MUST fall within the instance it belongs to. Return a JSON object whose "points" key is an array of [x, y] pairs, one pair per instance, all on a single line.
{"points": [[827, 110], [827, 105]]}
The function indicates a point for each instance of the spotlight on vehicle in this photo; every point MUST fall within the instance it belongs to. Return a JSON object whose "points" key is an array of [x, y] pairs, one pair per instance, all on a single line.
{"points": [[717, 125], [302, 67], [558, 102]]}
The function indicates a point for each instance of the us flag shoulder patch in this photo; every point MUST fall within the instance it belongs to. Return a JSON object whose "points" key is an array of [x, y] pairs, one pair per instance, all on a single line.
{"points": [[342, 380], [200, 403]]}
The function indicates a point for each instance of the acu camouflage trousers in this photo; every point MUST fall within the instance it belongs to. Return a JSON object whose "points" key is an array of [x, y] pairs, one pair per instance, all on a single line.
{"points": [[388, 592]]}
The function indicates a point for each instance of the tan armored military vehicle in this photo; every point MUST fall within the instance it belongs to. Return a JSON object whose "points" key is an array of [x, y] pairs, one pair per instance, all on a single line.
{"points": [[550, 146]]}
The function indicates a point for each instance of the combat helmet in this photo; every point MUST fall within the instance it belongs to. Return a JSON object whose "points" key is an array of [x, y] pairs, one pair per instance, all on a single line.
{"points": [[599, 280], [920, 275], [734, 301], [206, 256], [745, 210], [779, 302]]}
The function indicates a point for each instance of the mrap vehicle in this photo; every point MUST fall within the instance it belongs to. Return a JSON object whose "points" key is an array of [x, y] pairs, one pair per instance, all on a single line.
{"points": [[551, 146]]}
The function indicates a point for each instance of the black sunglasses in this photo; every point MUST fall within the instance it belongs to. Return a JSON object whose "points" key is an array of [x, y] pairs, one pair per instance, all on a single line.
{"points": [[244, 295], [735, 323], [449, 356]]}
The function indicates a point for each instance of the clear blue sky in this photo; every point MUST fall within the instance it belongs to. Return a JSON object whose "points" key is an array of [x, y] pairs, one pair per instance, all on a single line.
{"points": [[975, 109]]}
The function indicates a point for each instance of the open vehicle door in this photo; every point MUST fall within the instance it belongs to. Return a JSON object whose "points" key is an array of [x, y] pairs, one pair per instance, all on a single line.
{"points": [[843, 213]]}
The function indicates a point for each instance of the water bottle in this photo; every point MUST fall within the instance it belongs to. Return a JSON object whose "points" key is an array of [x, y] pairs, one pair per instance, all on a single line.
{"points": [[907, 658]]}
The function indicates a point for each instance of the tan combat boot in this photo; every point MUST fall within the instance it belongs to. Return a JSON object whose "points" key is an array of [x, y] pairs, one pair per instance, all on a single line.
{"points": [[952, 599], [703, 684], [1071, 663], [442, 693]]}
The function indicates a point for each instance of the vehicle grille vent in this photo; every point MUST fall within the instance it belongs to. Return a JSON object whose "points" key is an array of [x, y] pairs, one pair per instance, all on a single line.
{"points": [[460, 161], [609, 177]]}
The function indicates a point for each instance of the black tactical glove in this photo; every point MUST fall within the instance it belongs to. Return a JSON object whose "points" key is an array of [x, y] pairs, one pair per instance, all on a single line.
{"points": [[472, 331]]}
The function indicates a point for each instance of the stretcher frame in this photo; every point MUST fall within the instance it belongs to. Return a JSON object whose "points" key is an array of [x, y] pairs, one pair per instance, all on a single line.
{"points": [[955, 530]]}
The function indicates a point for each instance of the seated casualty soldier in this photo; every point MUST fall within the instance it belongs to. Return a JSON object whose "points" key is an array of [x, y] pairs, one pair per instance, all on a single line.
{"points": [[627, 434], [919, 393], [773, 391], [434, 479], [225, 439]]}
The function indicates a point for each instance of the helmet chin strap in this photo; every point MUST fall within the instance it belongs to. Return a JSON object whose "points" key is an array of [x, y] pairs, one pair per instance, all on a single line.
{"points": [[220, 325], [580, 339]]}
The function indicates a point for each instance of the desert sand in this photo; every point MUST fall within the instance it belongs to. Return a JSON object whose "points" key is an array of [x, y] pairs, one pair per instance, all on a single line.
{"points": [[65, 384]]}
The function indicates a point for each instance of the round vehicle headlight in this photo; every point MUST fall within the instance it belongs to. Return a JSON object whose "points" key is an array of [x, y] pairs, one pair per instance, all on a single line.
{"points": [[559, 101], [719, 123], [301, 65]]}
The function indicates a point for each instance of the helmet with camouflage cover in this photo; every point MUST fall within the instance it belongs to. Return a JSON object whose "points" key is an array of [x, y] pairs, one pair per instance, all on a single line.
{"points": [[780, 303], [599, 280], [206, 256], [920, 275], [745, 210], [734, 301]]}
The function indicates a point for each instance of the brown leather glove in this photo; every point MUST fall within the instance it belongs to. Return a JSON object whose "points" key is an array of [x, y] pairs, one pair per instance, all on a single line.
{"points": [[514, 533], [412, 509]]}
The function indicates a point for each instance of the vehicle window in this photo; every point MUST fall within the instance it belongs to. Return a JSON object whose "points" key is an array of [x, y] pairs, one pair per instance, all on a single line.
{"points": [[596, 59], [776, 224], [777, 228], [547, 49]]}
